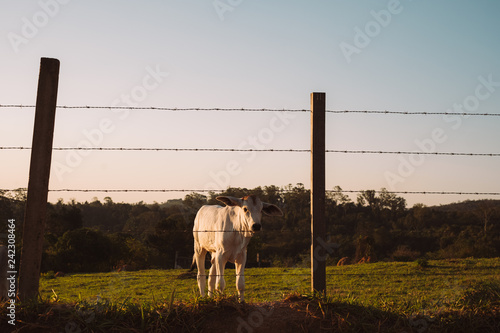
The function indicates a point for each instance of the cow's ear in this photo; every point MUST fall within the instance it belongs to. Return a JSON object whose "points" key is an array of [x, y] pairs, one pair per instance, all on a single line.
{"points": [[230, 201], [271, 210]]}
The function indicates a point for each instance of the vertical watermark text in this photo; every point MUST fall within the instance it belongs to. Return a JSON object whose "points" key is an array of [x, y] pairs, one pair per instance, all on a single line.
{"points": [[11, 272]]}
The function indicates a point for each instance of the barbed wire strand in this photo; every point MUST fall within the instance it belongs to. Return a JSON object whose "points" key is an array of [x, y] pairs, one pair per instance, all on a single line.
{"points": [[164, 149], [155, 108], [222, 191], [260, 150], [411, 153], [230, 273]]}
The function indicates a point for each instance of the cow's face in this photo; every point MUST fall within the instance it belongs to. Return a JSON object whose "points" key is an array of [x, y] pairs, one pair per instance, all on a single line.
{"points": [[252, 208]]}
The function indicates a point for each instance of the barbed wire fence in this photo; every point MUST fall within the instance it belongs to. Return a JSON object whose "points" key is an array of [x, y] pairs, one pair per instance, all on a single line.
{"points": [[269, 150], [291, 150]]}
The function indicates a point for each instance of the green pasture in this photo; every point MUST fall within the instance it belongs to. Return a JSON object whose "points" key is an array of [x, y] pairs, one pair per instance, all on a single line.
{"points": [[396, 286]]}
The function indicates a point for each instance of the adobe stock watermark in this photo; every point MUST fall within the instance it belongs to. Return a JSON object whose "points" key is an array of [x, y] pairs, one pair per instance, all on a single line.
{"points": [[254, 320], [451, 292], [224, 6], [419, 323], [321, 252], [31, 26], [364, 36], [95, 136], [408, 165], [87, 317], [277, 124]]}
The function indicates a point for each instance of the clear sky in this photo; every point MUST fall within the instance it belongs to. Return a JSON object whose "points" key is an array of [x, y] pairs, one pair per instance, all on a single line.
{"points": [[426, 55]]}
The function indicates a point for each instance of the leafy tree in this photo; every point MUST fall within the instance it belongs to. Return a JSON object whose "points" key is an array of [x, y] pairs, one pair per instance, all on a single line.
{"points": [[63, 217], [83, 250]]}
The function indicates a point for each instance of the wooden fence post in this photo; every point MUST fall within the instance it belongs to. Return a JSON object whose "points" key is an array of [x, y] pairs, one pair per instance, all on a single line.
{"points": [[318, 226], [38, 185]]}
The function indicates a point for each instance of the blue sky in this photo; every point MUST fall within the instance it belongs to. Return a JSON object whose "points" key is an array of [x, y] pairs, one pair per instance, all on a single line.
{"points": [[433, 56]]}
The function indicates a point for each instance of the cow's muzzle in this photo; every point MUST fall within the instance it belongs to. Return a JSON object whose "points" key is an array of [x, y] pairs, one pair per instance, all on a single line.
{"points": [[256, 227]]}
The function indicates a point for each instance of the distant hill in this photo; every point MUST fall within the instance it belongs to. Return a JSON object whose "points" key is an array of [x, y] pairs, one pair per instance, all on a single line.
{"points": [[468, 205]]}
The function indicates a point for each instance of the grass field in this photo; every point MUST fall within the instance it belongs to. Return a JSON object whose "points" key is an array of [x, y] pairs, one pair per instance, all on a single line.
{"points": [[394, 284], [438, 296]]}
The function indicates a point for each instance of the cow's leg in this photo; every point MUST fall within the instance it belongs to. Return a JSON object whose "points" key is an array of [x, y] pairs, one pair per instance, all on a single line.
{"points": [[240, 275], [200, 264], [220, 262], [212, 277]]}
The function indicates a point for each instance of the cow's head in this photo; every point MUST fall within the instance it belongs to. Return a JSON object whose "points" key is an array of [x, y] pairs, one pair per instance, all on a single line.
{"points": [[252, 209]]}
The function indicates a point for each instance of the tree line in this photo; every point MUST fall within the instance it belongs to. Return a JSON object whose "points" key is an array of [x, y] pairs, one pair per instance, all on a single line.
{"points": [[101, 236]]}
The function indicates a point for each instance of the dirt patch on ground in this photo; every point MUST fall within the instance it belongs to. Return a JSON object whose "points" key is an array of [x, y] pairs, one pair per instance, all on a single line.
{"points": [[297, 314]]}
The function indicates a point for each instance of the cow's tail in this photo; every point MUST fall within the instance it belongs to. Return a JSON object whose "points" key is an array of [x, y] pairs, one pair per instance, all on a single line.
{"points": [[193, 264], [196, 251]]}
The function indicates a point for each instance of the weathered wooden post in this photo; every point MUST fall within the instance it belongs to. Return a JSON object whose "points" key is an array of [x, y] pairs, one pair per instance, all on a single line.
{"points": [[318, 226], [38, 185]]}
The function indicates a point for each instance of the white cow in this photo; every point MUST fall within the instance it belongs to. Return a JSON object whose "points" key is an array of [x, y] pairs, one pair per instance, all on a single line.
{"points": [[4, 287], [225, 232]]}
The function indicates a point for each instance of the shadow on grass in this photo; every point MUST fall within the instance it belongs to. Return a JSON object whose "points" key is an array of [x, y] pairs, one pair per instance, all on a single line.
{"points": [[477, 311]]}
